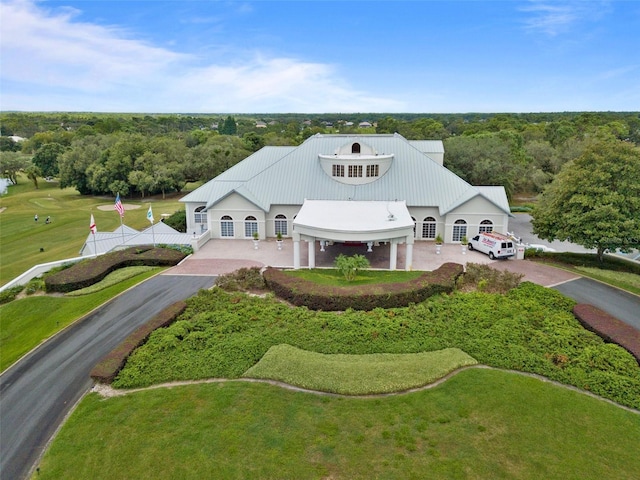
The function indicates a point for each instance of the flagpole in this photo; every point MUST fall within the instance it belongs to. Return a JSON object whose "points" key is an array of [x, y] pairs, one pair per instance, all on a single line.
{"points": [[150, 218], [93, 229], [120, 209]]}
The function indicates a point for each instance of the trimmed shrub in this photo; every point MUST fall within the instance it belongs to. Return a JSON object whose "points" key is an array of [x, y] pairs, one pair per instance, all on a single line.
{"points": [[487, 279], [107, 369], [242, 280], [609, 328], [301, 292], [10, 294], [90, 271]]}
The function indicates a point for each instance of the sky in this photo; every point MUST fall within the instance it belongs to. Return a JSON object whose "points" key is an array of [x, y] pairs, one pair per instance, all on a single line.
{"points": [[297, 56]]}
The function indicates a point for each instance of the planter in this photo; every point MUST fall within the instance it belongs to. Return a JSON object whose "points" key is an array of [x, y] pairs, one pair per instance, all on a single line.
{"points": [[438, 247], [255, 244], [279, 244]]}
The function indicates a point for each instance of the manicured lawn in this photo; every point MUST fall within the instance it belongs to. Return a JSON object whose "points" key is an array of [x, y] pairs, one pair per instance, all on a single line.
{"points": [[365, 277], [24, 323], [357, 374], [22, 238], [480, 424], [625, 280]]}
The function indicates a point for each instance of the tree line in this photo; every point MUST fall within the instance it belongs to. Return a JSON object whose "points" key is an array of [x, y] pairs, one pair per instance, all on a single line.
{"points": [[140, 155]]}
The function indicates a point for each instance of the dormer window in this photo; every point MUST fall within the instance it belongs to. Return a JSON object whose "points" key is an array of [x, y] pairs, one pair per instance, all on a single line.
{"points": [[355, 171], [355, 163]]}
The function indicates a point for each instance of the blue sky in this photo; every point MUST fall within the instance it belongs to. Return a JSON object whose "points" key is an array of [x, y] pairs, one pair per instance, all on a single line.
{"points": [[207, 56]]}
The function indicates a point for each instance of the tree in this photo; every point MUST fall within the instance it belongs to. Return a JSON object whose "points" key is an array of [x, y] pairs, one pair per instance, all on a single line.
{"points": [[11, 163], [46, 158], [595, 199], [7, 144], [229, 126], [33, 172]]}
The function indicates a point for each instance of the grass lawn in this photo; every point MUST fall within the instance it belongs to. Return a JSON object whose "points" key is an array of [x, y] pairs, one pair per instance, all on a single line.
{"points": [[331, 276], [21, 238], [23, 325], [480, 424], [357, 374], [625, 280]]}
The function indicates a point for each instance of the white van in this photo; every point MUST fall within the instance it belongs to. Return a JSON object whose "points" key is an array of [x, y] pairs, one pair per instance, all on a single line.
{"points": [[496, 245]]}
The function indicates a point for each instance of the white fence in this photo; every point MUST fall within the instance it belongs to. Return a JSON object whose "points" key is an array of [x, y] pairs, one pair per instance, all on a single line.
{"points": [[38, 270]]}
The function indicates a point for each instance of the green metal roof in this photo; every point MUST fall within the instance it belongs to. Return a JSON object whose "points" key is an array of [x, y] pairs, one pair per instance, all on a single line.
{"points": [[289, 175]]}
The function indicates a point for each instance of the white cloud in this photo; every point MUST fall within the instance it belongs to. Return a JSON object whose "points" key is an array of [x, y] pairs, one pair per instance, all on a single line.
{"points": [[555, 17], [52, 61]]}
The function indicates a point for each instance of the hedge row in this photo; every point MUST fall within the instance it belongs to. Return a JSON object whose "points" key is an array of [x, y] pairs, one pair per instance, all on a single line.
{"points": [[586, 260], [329, 298], [609, 328], [107, 369], [88, 272]]}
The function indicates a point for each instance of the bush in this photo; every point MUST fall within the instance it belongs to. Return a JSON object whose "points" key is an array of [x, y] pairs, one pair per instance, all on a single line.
{"points": [[87, 272], [349, 266], [244, 279], [521, 208], [35, 285], [107, 369], [302, 292], [487, 279], [10, 294]]}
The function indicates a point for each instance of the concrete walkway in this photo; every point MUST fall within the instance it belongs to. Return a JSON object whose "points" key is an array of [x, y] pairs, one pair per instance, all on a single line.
{"points": [[218, 257]]}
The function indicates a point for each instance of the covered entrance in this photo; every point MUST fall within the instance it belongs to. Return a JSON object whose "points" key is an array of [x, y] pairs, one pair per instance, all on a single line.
{"points": [[371, 223]]}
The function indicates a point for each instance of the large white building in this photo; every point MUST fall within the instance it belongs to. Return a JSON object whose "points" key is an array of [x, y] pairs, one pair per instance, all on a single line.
{"points": [[374, 189]]}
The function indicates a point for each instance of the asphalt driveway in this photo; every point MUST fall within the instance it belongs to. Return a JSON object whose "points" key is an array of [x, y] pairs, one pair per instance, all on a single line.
{"points": [[39, 391]]}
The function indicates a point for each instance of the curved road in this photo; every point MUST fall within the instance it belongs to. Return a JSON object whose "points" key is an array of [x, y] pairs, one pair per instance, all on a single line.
{"points": [[623, 305], [38, 392]]}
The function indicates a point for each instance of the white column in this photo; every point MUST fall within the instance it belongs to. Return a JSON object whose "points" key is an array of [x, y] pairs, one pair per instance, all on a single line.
{"points": [[393, 254], [409, 257], [312, 252], [296, 254]]}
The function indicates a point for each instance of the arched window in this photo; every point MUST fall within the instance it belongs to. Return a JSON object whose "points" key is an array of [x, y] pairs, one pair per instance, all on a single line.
{"points": [[226, 226], [200, 218], [355, 148], [415, 222], [281, 225], [250, 226], [459, 230], [486, 226], [429, 228]]}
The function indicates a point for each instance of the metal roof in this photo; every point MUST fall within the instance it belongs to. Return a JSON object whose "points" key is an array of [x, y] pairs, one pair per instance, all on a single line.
{"points": [[162, 234], [289, 175]]}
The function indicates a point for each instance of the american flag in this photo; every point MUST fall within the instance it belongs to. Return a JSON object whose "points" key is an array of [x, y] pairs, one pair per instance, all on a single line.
{"points": [[92, 225], [119, 207]]}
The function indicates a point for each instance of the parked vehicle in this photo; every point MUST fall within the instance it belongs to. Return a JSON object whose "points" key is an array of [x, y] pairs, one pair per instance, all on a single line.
{"points": [[494, 244]]}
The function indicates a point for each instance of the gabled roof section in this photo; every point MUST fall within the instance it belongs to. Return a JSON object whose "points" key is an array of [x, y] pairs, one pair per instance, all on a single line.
{"points": [[428, 146], [494, 194], [289, 175]]}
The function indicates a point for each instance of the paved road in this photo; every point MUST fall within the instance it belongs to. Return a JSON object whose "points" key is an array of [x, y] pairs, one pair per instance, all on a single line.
{"points": [[623, 305], [38, 392]]}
